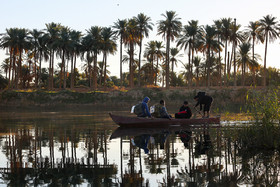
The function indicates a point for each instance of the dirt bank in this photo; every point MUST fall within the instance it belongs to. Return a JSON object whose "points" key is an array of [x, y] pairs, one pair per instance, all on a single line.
{"points": [[227, 99]]}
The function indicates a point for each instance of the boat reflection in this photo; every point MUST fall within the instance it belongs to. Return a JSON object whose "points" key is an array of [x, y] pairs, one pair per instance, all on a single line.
{"points": [[160, 145]]}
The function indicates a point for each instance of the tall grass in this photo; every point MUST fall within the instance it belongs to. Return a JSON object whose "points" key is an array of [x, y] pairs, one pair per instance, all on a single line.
{"points": [[264, 133]]}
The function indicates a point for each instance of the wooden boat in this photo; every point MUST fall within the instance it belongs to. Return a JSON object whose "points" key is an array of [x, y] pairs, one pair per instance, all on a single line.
{"points": [[129, 121]]}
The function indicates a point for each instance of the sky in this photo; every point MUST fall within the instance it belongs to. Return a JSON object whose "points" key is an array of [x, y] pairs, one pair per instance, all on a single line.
{"points": [[82, 14]]}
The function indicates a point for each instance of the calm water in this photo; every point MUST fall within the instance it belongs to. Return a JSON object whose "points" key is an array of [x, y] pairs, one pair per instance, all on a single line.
{"points": [[86, 148]]}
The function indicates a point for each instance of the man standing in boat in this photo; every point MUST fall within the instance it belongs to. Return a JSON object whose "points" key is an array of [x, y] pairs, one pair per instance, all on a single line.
{"points": [[144, 108], [205, 100]]}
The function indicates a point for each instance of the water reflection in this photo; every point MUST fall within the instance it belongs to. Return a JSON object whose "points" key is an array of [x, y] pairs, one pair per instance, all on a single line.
{"points": [[88, 149]]}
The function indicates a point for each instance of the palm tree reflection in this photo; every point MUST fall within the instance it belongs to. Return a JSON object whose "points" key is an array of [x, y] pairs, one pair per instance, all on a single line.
{"points": [[76, 154]]}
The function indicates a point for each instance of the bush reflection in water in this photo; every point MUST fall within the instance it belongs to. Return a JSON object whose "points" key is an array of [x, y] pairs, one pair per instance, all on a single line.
{"points": [[82, 150]]}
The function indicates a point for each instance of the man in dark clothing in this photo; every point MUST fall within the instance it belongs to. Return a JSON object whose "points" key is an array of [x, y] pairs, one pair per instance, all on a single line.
{"points": [[145, 108], [161, 111], [184, 111], [205, 100]]}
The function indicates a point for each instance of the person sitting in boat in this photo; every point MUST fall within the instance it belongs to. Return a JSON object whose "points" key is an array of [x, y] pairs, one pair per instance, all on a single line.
{"points": [[205, 100], [184, 111], [144, 112], [160, 110]]}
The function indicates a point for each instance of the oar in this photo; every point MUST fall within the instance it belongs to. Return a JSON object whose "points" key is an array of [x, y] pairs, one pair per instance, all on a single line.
{"points": [[197, 111]]}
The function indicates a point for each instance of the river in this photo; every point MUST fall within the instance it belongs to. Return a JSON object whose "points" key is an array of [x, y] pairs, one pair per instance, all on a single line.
{"points": [[83, 147]]}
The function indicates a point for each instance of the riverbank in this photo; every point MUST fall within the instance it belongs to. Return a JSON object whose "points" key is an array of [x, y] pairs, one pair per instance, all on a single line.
{"points": [[226, 99]]}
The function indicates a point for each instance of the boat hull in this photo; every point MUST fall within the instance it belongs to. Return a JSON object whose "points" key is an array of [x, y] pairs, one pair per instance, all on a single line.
{"points": [[128, 121]]}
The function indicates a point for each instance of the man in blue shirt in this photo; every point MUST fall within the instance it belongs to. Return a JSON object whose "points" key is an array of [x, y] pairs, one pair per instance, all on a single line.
{"points": [[145, 108]]}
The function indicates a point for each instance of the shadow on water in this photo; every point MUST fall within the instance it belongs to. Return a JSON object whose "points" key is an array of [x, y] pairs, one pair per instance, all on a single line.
{"points": [[87, 148]]}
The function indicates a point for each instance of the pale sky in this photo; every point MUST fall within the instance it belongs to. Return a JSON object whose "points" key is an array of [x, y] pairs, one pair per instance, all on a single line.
{"points": [[82, 14]]}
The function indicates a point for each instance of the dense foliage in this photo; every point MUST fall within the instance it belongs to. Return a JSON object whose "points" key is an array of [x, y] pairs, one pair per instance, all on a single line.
{"points": [[217, 55]]}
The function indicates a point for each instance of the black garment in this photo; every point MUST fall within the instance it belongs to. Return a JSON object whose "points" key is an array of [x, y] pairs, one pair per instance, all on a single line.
{"points": [[187, 114], [206, 101]]}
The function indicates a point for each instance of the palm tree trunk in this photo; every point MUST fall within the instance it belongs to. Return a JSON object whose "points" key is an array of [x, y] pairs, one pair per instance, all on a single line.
{"points": [[10, 66], [50, 71], [14, 69], [131, 64], [167, 61], [121, 77], [234, 64], [253, 58], [72, 72], [64, 71], [35, 66], [189, 69], [228, 69], [89, 74], [75, 60], [20, 79], [140, 50], [40, 66], [243, 73], [191, 74], [105, 69], [156, 73], [208, 68], [225, 68], [95, 71], [264, 65], [220, 64], [101, 71]]}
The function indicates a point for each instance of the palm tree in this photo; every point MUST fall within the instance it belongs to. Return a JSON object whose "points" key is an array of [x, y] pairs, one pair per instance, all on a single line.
{"points": [[95, 47], [269, 28], [150, 54], [132, 37], [196, 62], [194, 32], [109, 46], [174, 54], [218, 24], [169, 28], [184, 41], [243, 58], [188, 39], [236, 37], [120, 27], [252, 33], [43, 53], [144, 26], [8, 42], [133, 66], [36, 34], [86, 54], [225, 31], [147, 73], [75, 37], [63, 44], [5, 66], [53, 30], [22, 44], [159, 55], [208, 44]]}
